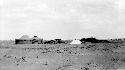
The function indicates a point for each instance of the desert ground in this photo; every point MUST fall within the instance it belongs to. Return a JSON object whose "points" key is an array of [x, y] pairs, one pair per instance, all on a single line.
{"points": [[88, 56]]}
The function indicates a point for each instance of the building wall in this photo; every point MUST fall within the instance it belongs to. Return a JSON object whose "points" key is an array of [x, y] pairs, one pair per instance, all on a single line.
{"points": [[20, 41], [23, 41]]}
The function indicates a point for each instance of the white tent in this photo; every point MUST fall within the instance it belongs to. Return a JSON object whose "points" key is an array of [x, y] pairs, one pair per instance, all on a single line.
{"points": [[76, 42]]}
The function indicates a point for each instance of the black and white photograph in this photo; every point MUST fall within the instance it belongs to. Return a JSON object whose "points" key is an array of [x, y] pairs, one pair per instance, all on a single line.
{"points": [[62, 35]]}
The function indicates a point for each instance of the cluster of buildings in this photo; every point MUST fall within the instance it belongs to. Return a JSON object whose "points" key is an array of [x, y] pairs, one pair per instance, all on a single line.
{"points": [[35, 40]]}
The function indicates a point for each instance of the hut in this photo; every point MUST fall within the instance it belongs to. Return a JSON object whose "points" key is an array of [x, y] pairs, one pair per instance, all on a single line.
{"points": [[26, 40], [23, 40]]}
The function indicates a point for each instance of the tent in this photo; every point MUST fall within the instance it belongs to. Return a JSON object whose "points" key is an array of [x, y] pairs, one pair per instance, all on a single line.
{"points": [[76, 42]]}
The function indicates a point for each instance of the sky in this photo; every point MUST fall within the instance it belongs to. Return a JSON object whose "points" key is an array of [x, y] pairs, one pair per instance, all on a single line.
{"points": [[65, 19]]}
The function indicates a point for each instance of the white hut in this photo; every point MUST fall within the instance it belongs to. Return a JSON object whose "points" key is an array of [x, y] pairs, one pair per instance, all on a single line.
{"points": [[76, 42]]}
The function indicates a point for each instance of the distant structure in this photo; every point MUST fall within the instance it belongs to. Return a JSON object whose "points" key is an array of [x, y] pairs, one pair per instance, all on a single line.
{"points": [[76, 42], [56, 41], [93, 40], [35, 40], [26, 40]]}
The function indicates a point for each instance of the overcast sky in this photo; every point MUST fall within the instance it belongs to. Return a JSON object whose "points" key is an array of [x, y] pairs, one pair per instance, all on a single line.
{"points": [[66, 19]]}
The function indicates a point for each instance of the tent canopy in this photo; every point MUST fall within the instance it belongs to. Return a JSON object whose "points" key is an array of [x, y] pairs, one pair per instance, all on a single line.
{"points": [[76, 42]]}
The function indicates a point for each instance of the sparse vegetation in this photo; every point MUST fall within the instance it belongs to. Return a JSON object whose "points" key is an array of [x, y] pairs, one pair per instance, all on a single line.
{"points": [[87, 56]]}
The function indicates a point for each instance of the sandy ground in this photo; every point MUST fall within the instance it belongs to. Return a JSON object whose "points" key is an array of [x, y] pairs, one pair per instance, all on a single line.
{"points": [[60, 57]]}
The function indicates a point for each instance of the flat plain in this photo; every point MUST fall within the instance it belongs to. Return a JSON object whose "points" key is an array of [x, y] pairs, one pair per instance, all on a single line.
{"points": [[88, 56]]}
